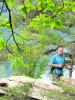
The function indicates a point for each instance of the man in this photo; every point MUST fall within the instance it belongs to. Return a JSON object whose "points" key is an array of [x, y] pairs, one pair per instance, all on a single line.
{"points": [[57, 63]]}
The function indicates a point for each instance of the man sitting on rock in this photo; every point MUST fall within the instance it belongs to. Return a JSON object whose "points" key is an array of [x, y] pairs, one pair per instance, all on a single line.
{"points": [[57, 63]]}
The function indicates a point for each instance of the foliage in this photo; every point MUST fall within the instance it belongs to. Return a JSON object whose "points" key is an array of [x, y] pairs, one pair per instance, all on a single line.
{"points": [[41, 64], [32, 49], [2, 43], [10, 3], [49, 13], [67, 92], [17, 93]]}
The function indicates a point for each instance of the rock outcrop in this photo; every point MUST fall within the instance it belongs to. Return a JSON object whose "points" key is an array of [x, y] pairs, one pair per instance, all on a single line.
{"points": [[38, 89], [68, 80]]}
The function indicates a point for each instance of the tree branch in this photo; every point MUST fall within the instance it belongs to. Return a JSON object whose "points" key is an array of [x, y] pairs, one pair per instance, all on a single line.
{"points": [[72, 41], [10, 22], [25, 9], [50, 51], [20, 36], [59, 10], [2, 8]]}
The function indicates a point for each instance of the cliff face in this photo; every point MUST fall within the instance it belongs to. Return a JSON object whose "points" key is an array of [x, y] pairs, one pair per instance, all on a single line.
{"points": [[38, 89]]}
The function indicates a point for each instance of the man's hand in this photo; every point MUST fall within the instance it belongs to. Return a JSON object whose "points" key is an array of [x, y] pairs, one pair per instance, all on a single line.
{"points": [[60, 66], [70, 68], [56, 66]]}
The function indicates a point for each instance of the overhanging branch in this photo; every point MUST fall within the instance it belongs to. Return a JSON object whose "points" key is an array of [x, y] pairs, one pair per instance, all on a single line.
{"points": [[12, 35], [2, 8]]}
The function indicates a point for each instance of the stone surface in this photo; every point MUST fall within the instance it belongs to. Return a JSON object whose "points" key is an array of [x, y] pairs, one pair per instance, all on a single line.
{"points": [[45, 85], [38, 89], [9, 83], [18, 80], [68, 80], [2, 92], [21, 79], [3, 84], [38, 93]]}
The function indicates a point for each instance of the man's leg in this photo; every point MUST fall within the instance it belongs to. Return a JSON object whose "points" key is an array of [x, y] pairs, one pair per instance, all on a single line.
{"points": [[56, 77]]}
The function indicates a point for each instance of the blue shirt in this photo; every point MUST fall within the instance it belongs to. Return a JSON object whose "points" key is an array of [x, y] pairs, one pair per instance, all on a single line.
{"points": [[56, 59]]}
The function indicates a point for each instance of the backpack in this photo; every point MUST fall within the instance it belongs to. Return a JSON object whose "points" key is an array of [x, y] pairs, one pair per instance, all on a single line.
{"points": [[52, 69]]}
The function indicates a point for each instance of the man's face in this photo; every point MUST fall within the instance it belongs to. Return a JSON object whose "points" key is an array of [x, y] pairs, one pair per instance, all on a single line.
{"points": [[60, 51]]}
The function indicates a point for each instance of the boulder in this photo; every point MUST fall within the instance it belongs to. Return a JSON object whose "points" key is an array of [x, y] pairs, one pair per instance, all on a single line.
{"points": [[39, 87], [18, 80], [68, 80], [8, 83], [21, 79], [48, 86]]}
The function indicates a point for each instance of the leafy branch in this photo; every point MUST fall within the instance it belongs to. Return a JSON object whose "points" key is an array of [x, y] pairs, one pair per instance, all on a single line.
{"points": [[59, 10], [12, 35]]}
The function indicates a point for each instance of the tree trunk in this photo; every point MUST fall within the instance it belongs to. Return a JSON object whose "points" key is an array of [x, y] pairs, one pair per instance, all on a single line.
{"points": [[70, 75]]}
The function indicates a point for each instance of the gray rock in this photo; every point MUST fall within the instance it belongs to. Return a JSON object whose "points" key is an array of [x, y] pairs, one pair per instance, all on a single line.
{"points": [[38, 89], [2, 92]]}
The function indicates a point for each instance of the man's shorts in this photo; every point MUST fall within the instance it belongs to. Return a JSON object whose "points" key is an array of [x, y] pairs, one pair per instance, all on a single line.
{"points": [[56, 77]]}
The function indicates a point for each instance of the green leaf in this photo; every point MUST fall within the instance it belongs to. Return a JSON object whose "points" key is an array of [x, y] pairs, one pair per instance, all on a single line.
{"points": [[10, 3], [2, 43], [51, 6], [0, 33], [73, 9], [52, 25], [23, 10], [58, 23], [42, 15], [20, 7]]}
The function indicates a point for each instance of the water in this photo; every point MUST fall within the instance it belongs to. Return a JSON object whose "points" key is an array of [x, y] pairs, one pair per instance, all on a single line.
{"points": [[47, 78], [66, 37], [5, 69]]}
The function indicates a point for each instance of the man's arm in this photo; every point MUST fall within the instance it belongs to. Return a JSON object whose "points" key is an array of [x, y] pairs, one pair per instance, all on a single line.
{"points": [[56, 66], [69, 68]]}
